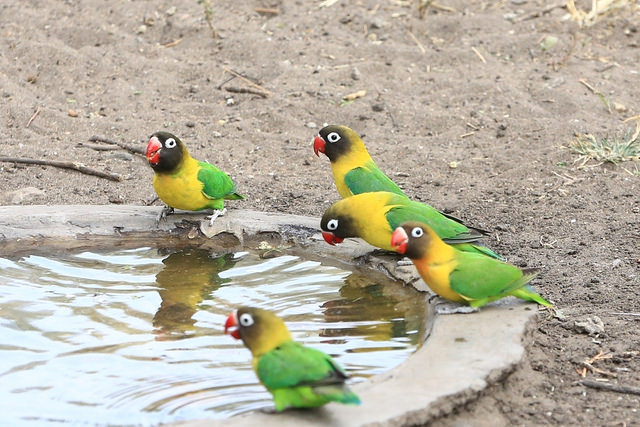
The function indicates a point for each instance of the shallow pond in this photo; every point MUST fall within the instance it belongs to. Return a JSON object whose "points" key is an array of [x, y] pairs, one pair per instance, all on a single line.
{"points": [[136, 336]]}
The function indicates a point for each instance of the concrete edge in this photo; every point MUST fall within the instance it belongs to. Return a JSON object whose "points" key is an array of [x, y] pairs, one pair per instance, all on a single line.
{"points": [[463, 355]]}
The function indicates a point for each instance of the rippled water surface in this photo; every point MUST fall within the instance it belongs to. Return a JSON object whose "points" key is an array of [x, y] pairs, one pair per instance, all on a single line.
{"points": [[136, 336]]}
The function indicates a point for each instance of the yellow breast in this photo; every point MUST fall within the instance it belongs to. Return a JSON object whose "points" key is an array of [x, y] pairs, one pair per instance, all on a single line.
{"points": [[182, 190], [436, 267]]}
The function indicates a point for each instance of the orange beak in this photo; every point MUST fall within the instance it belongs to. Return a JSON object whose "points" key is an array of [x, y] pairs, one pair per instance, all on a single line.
{"points": [[231, 326], [318, 145], [399, 240], [153, 150], [331, 238]]}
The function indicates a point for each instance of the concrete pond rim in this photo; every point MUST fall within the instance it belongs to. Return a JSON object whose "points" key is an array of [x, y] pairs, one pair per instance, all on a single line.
{"points": [[461, 355]]}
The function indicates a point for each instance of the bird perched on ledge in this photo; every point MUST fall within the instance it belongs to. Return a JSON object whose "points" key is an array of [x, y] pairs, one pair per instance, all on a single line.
{"points": [[296, 376], [183, 182], [464, 277], [373, 217], [354, 171]]}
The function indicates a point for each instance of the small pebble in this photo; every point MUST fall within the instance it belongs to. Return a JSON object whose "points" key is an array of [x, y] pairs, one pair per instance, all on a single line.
{"points": [[311, 125]]}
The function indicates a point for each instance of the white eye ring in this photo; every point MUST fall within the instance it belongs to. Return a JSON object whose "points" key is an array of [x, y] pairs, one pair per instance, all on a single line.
{"points": [[417, 232], [170, 143], [245, 320], [333, 137], [332, 225]]}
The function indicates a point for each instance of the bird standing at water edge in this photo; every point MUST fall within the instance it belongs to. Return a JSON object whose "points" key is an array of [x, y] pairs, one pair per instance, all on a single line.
{"points": [[374, 216], [296, 376], [183, 182], [354, 171], [464, 277]]}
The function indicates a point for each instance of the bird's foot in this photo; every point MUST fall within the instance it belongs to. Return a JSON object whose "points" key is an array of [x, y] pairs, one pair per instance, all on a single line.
{"points": [[443, 306], [216, 214], [164, 213]]}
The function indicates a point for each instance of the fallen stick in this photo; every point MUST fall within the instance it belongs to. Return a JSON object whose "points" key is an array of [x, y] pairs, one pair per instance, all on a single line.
{"points": [[33, 117], [134, 150], [246, 90], [98, 147], [611, 387], [64, 165], [246, 80]]}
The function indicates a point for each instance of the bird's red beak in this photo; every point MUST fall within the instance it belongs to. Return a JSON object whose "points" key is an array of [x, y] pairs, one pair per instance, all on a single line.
{"points": [[318, 145], [331, 238], [153, 150], [399, 240], [231, 326]]}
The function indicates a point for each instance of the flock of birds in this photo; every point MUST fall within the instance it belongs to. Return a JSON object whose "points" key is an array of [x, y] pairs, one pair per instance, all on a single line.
{"points": [[445, 252]]}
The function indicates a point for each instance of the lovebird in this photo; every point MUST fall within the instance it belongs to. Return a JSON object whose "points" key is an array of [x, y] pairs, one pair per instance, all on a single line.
{"points": [[354, 171], [296, 376], [464, 277], [183, 182], [374, 216]]}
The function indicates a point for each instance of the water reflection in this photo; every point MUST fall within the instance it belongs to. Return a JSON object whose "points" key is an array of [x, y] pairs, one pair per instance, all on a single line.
{"points": [[188, 277], [376, 310], [134, 337]]}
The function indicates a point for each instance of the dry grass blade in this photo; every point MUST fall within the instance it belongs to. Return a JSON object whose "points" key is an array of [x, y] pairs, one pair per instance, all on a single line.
{"points": [[611, 149], [598, 8]]}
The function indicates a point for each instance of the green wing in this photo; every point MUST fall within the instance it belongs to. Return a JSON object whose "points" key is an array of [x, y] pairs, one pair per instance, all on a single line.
{"points": [[217, 184], [479, 277], [447, 229], [291, 364], [369, 179]]}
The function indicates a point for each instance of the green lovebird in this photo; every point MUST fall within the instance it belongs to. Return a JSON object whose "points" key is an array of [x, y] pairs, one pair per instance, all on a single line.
{"points": [[374, 216], [459, 276], [354, 171], [296, 376], [183, 182]]}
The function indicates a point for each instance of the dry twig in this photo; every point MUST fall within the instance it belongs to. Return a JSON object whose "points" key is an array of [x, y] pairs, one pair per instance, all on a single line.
{"points": [[416, 41], [64, 165], [611, 387], [235, 89], [131, 149], [477, 52], [246, 80], [596, 92], [266, 11], [539, 13], [33, 117], [176, 42]]}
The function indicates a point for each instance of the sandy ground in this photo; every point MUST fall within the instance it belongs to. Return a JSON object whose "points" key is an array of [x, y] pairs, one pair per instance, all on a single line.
{"points": [[463, 108]]}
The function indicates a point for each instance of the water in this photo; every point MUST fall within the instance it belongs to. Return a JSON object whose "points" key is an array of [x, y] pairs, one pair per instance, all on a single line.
{"points": [[135, 337]]}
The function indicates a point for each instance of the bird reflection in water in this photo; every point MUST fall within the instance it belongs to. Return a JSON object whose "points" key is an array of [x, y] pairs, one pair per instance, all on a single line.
{"points": [[378, 311], [188, 277]]}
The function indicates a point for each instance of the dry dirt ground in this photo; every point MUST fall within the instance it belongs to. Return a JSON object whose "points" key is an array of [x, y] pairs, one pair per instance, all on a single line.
{"points": [[463, 108]]}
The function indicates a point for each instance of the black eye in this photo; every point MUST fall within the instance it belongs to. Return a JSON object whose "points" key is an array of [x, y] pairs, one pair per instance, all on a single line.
{"points": [[333, 137], [170, 143], [417, 232], [245, 319], [332, 225]]}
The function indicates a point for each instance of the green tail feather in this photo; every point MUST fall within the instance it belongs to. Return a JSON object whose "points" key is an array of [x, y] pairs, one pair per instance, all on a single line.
{"points": [[338, 394], [527, 293], [519, 289], [234, 196]]}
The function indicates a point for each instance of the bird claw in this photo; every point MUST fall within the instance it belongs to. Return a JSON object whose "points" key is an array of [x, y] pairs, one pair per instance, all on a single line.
{"points": [[216, 214], [164, 213]]}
